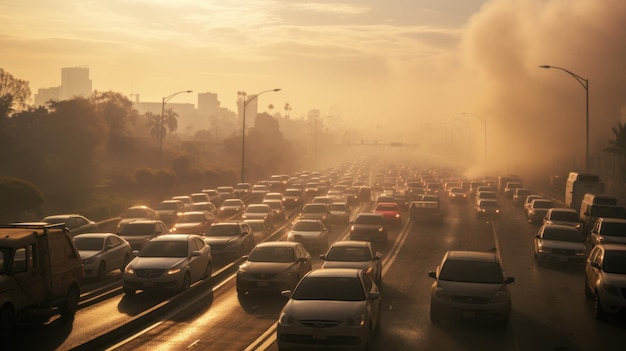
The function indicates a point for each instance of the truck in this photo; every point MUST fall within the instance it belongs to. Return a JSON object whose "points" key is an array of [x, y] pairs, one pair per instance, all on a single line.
{"points": [[579, 184], [40, 274]]}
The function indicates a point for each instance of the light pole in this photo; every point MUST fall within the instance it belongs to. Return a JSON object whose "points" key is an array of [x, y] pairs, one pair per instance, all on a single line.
{"points": [[246, 101], [485, 136], [585, 84], [165, 100]]}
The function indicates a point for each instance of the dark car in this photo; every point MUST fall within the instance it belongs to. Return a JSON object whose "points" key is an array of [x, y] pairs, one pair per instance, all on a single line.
{"points": [[136, 213], [355, 254], [139, 232], [370, 227], [168, 210], [315, 211], [230, 239], [76, 223]]}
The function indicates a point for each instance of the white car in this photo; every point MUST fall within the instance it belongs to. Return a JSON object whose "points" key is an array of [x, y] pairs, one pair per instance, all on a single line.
{"points": [[330, 307], [559, 243], [470, 284], [102, 253], [605, 279], [563, 216], [311, 233]]}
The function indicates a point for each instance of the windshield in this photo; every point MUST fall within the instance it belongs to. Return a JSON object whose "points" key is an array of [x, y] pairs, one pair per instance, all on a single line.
{"points": [[314, 208], [167, 206], [329, 288], [561, 235], [135, 213], [386, 208], [272, 254], [191, 218], [54, 220], [232, 203], [471, 272], [337, 207], [5, 253], [137, 229], [614, 262], [257, 226], [307, 226], [89, 244], [490, 204], [542, 204], [607, 211], [349, 254], [258, 209], [565, 216], [613, 229], [164, 249], [223, 230], [369, 220]]}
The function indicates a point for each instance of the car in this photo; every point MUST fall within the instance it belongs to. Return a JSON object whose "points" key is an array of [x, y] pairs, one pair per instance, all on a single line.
{"points": [[273, 196], [225, 192], [470, 284], [426, 211], [529, 199], [199, 197], [231, 239], [168, 210], [559, 243], [322, 200], [259, 211], [259, 190], [330, 308], [384, 198], [457, 194], [402, 200], [293, 197], [605, 280], [480, 195], [134, 213], [205, 206], [312, 233], [355, 254], [102, 253], [76, 223], [339, 213], [369, 227], [519, 195], [231, 208], [278, 208], [186, 199], [168, 262], [242, 189], [538, 209], [193, 222], [273, 266], [390, 211], [563, 216], [608, 230], [139, 232], [212, 193], [487, 209], [315, 211], [510, 188], [351, 195], [260, 228]]}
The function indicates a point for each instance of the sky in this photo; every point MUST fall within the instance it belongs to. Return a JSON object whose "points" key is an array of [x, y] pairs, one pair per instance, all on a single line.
{"points": [[397, 67]]}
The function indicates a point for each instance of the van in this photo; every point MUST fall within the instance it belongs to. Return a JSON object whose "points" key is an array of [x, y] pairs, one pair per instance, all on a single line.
{"points": [[600, 199], [579, 184], [590, 212]]}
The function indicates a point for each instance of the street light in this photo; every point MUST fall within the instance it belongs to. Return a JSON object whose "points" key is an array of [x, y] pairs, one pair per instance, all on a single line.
{"points": [[585, 84], [165, 100], [485, 140], [246, 101]]}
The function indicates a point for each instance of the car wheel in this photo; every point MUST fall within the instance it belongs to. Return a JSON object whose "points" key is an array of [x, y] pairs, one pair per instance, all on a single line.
{"points": [[186, 282], [102, 270], [598, 312], [7, 322], [70, 304], [129, 292], [209, 270]]}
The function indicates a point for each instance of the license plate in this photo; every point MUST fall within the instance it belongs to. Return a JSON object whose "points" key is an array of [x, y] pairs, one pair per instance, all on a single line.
{"points": [[262, 284]]}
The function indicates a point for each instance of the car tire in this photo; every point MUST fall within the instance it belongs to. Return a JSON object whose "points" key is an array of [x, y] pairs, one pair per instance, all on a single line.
{"points": [[70, 303], [598, 312], [129, 292], [102, 270], [7, 321], [209, 270]]}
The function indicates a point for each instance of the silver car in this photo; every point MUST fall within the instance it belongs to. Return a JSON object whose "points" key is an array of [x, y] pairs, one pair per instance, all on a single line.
{"points": [[470, 284], [102, 253], [355, 254], [311, 233], [605, 280], [330, 308], [168, 262], [559, 243]]}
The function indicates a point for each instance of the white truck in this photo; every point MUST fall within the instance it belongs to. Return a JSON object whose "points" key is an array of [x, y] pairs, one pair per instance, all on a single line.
{"points": [[579, 184]]}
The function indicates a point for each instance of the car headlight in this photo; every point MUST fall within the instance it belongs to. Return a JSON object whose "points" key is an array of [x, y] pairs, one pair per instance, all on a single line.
{"points": [[441, 293], [613, 290], [129, 270], [352, 228], [173, 271], [397, 215], [499, 297], [89, 260], [380, 229], [285, 319], [356, 321], [541, 248]]}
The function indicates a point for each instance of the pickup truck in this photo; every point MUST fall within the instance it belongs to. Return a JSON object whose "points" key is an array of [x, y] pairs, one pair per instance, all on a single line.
{"points": [[40, 274]]}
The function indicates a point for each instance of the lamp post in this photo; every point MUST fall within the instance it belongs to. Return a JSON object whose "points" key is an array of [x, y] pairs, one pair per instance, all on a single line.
{"points": [[485, 138], [585, 84], [165, 100], [246, 101]]}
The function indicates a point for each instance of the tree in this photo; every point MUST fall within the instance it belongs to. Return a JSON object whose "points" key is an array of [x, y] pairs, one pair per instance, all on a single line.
{"points": [[618, 146], [157, 126], [18, 196], [14, 94]]}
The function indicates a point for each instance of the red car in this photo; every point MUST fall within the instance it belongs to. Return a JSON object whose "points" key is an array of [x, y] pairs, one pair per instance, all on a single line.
{"points": [[389, 210]]}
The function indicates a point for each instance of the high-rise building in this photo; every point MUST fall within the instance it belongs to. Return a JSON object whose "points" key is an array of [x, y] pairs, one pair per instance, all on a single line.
{"points": [[75, 82], [208, 104], [46, 94]]}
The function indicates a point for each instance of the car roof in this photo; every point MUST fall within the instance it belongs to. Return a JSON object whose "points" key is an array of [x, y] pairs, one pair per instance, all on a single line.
{"points": [[143, 221], [558, 227], [95, 235], [281, 243], [562, 209], [351, 243], [613, 247], [472, 256], [612, 220], [335, 272], [174, 237], [63, 216]]}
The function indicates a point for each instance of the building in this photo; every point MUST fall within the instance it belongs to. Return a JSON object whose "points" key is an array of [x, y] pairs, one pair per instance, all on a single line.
{"points": [[74, 82]]}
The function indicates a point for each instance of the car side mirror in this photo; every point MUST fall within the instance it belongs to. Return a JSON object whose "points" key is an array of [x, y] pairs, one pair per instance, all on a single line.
{"points": [[302, 259], [110, 246], [373, 295], [135, 252], [509, 280], [322, 257], [595, 265], [286, 293], [377, 257], [195, 254], [432, 274]]}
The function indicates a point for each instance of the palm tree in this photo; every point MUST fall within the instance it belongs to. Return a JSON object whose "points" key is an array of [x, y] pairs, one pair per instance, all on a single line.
{"points": [[618, 146], [157, 125], [154, 124], [170, 119]]}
